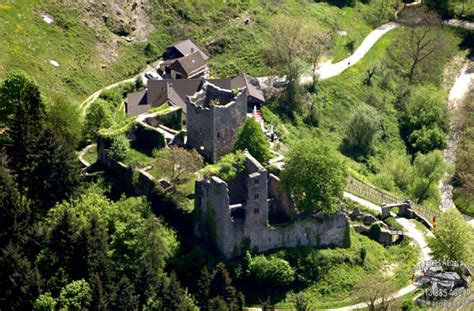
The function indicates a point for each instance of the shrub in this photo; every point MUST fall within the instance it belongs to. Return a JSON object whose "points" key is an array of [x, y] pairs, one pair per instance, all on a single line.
{"points": [[361, 133], [272, 271], [252, 138], [227, 167], [151, 51], [119, 147]]}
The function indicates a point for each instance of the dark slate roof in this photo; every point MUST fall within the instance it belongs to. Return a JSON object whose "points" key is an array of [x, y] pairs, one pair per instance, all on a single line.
{"points": [[187, 47], [175, 91], [189, 65], [137, 103], [252, 85]]}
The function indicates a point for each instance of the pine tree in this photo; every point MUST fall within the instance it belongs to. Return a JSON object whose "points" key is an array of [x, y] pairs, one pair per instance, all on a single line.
{"points": [[124, 297], [14, 220], [23, 115], [64, 258], [221, 286], [54, 174], [204, 283], [99, 272], [174, 296], [18, 280]]}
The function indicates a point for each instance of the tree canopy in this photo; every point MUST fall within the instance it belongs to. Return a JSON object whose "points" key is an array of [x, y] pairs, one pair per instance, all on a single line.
{"points": [[252, 138], [425, 120], [362, 131], [314, 175], [429, 168], [453, 238]]}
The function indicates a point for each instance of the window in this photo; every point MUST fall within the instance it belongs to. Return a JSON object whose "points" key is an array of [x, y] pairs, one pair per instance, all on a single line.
{"points": [[255, 196], [218, 134], [255, 181]]}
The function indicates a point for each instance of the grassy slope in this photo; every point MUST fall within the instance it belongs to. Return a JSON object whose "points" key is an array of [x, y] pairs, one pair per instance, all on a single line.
{"points": [[336, 100], [341, 270], [217, 20], [30, 43]]}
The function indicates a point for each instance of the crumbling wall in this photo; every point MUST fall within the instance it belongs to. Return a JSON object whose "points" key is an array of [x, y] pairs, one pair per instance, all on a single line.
{"points": [[172, 119], [213, 117], [214, 221], [281, 207]]}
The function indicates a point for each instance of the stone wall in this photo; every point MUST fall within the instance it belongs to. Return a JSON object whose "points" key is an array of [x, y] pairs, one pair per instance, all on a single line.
{"points": [[220, 223], [213, 117], [281, 208], [133, 181]]}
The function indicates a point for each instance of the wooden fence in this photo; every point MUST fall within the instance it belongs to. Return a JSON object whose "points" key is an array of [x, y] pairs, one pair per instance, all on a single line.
{"points": [[377, 196]]}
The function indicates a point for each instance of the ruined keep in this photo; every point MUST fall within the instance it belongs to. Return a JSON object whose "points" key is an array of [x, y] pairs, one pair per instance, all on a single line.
{"points": [[213, 118], [234, 215]]}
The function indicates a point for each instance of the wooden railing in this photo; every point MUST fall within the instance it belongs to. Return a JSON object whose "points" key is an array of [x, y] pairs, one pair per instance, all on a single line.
{"points": [[363, 190]]}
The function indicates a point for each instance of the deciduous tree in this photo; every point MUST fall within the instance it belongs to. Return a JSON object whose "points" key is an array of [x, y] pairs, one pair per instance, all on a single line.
{"points": [[99, 116], [453, 239], [375, 287], [178, 164], [361, 133], [429, 169], [424, 120], [292, 98], [252, 138], [421, 46], [314, 176]]}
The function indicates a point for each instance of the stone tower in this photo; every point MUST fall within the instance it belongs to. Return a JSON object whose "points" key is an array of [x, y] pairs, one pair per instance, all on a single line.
{"points": [[213, 118]]}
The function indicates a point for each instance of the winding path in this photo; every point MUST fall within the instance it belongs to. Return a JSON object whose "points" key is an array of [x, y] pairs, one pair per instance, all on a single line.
{"points": [[89, 100], [327, 69], [411, 230], [83, 153]]}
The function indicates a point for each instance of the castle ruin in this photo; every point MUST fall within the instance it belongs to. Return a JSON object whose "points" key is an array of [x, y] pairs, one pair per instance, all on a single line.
{"points": [[213, 117], [234, 215]]}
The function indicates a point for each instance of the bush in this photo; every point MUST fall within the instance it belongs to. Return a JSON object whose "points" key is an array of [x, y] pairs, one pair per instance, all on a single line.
{"points": [[271, 271], [392, 223], [151, 51], [119, 148], [361, 133], [227, 167], [252, 138]]}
